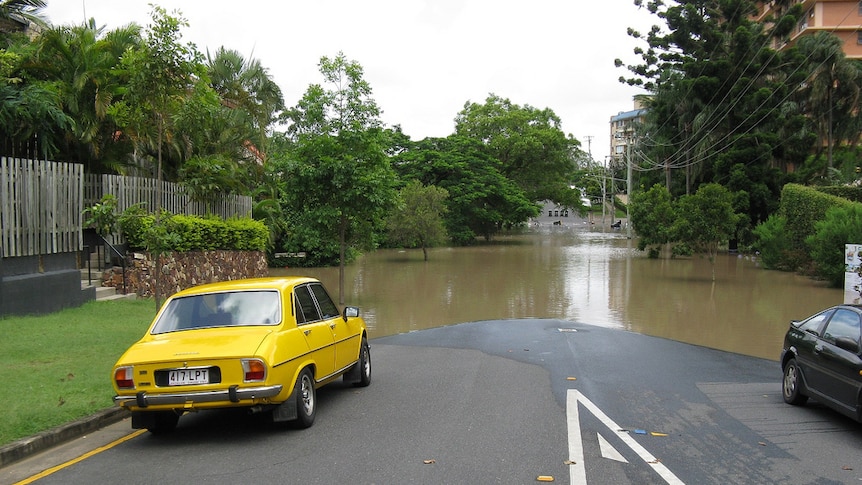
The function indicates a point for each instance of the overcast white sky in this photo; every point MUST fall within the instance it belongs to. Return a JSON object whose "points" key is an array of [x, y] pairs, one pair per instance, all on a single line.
{"points": [[423, 58]]}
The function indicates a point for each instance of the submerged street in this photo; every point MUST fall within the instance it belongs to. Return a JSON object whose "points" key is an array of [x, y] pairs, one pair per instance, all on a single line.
{"points": [[581, 273]]}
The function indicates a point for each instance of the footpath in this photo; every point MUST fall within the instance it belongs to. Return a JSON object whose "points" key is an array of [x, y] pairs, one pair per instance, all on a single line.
{"points": [[31, 445]]}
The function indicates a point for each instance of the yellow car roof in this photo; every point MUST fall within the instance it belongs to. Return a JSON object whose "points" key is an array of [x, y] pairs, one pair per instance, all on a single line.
{"points": [[276, 282]]}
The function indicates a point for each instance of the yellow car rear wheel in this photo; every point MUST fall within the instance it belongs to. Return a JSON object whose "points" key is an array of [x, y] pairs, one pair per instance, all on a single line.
{"points": [[306, 399]]}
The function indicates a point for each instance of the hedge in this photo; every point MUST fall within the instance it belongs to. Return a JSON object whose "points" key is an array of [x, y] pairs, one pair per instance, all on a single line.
{"points": [[194, 233], [802, 207]]}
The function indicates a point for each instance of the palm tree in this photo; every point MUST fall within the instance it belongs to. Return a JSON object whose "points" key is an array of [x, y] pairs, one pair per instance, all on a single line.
{"points": [[831, 91], [246, 85], [81, 63]]}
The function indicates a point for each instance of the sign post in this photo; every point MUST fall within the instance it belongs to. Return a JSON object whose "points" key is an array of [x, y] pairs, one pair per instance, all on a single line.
{"points": [[852, 279]]}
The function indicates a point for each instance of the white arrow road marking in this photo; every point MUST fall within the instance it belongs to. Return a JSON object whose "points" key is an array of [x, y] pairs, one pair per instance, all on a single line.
{"points": [[577, 471], [608, 451]]}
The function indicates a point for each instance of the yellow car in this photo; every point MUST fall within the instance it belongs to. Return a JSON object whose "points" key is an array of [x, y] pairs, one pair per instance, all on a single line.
{"points": [[265, 344]]}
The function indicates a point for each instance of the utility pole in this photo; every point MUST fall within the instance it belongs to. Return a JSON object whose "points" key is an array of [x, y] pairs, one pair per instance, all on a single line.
{"points": [[604, 188], [629, 185]]}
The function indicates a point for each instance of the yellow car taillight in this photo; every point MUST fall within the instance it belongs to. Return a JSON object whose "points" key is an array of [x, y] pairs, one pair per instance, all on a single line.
{"points": [[123, 377], [254, 370]]}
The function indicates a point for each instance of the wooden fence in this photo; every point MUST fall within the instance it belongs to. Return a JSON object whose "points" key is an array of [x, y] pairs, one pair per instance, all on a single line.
{"points": [[42, 203], [135, 190], [40, 207]]}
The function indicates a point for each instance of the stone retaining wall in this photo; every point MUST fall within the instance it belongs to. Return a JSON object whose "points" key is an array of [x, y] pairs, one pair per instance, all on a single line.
{"points": [[178, 271]]}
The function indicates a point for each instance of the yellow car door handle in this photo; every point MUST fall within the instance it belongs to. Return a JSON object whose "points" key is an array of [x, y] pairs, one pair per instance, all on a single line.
{"points": [[306, 332]]}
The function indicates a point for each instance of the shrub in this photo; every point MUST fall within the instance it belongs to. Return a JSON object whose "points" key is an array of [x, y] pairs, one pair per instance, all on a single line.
{"points": [[101, 216], [849, 192], [247, 234], [135, 223], [803, 207], [192, 233], [842, 225], [773, 243]]}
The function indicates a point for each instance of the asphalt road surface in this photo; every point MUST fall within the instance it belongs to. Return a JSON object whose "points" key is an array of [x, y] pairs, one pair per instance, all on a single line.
{"points": [[515, 401]]}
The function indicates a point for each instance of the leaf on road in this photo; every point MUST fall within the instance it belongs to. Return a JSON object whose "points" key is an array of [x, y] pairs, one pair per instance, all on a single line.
{"points": [[429, 462]]}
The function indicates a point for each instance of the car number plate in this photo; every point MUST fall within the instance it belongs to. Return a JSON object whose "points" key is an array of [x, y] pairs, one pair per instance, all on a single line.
{"points": [[185, 377]]}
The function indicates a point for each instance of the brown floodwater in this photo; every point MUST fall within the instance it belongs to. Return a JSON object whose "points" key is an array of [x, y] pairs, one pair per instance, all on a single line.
{"points": [[586, 276]]}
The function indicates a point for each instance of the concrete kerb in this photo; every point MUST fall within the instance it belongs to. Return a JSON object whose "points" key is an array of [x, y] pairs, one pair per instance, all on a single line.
{"points": [[25, 447]]}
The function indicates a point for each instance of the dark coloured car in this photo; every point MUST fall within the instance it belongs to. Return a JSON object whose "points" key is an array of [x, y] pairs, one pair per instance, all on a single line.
{"points": [[821, 359]]}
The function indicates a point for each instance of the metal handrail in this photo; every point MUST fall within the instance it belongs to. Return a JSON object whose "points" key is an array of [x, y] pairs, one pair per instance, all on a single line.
{"points": [[115, 251]]}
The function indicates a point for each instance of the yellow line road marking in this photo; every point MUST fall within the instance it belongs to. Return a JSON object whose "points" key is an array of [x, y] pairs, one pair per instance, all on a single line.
{"points": [[83, 457]]}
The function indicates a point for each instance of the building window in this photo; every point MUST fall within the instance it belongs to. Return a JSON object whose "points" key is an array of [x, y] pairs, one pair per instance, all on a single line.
{"points": [[859, 37]]}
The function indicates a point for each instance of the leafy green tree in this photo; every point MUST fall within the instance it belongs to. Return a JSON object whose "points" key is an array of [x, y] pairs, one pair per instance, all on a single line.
{"points": [[528, 144], [705, 220], [481, 199], [338, 182], [30, 114], [723, 110], [702, 221], [417, 220], [160, 73], [652, 217]]}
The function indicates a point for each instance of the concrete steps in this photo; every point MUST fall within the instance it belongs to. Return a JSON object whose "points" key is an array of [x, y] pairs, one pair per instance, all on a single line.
{"points": [[93, 278]]}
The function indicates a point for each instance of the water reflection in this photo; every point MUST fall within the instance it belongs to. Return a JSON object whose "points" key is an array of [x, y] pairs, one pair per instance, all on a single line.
{"points": [[590, 277]]}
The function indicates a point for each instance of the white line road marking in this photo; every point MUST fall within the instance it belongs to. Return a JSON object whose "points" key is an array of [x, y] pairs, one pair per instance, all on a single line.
{"points": [[608, 451], [577, 471]]}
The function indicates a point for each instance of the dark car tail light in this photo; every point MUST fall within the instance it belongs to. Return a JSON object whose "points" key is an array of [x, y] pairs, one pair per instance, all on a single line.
{"points": [[123, 377], [254, 370]]}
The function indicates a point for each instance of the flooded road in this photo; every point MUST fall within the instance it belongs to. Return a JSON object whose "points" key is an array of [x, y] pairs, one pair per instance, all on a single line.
{"points": [[592, 277]]}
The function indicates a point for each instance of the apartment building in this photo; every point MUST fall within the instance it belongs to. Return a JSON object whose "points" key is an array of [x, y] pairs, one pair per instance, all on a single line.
{"points": [[840, 17], [623, 126]]}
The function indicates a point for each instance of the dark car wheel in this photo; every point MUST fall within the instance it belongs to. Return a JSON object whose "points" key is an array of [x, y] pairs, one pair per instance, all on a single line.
{"points": [[306, 399], [792, 383], [364, 365], [163, 422]]}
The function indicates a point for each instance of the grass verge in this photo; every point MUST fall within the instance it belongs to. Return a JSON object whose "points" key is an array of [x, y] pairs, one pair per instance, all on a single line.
{"points": [[56, 368]]}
